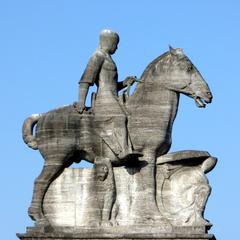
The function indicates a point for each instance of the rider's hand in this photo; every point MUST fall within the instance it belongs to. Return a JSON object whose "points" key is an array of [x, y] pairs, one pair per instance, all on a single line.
{"points": [[80, 108], [130, 80]]}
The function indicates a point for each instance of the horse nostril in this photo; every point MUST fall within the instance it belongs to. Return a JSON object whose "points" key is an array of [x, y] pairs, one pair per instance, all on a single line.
{"points": [[209, 94]]}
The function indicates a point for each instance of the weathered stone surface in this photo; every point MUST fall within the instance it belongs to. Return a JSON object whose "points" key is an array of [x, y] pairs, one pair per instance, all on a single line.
{"points": [[133, 232], [182, 191], [135, 190], [103, 236]]}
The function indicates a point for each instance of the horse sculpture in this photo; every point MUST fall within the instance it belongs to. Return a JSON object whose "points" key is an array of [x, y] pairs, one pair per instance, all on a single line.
{"points": [[64, 136]]}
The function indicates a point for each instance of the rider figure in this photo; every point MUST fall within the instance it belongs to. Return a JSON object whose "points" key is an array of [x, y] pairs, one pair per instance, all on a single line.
{"points": [[102, 71]]}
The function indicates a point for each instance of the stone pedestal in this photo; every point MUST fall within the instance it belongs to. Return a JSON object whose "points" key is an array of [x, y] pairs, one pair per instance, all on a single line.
{"points": [[74, 202], [124, 233], [60, 236]]}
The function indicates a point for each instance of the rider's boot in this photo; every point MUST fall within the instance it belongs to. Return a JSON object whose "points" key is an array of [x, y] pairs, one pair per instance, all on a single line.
{"points": [[127, 149]]}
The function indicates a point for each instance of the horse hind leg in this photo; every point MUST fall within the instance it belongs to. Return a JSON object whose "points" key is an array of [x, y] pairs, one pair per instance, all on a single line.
{"points": [[47, 176]]}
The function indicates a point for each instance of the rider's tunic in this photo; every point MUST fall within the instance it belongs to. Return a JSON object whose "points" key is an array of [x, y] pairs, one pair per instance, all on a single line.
{"points": [[110, 117], [102, 71]]}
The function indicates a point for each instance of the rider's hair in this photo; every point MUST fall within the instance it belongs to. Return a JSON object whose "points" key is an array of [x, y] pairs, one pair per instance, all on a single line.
{"points": [[106, 34]]}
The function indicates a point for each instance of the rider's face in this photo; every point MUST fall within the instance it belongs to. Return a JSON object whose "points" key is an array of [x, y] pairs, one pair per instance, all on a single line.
{"points": [[113, 45], [109, 44]]}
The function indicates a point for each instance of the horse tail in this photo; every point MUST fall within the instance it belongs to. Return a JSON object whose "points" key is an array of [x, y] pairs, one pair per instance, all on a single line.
{"points": [[209, 164], [27, 130]]}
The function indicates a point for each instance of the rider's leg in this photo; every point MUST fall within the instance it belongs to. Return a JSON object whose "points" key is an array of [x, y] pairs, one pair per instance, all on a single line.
{"points": [[121, 132], [126, 145]]}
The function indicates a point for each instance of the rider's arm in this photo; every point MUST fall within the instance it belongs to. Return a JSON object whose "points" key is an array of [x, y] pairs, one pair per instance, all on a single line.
{"points": [[128, 81], [89, 77]]}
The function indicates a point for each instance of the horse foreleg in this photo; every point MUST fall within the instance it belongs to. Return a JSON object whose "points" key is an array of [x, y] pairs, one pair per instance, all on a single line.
{"points": [[41, 184], [148, 174], [150, 212]]}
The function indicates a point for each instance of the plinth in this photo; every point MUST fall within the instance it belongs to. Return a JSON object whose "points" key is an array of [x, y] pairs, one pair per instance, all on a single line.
{"points": [[74, 209], [124, 233]]}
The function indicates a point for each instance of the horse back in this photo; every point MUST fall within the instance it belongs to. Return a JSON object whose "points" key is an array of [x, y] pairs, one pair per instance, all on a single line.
{"points": [[64, 128]]}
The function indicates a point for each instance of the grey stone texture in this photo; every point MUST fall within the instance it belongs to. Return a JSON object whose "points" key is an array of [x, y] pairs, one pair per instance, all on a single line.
{"points": [[116, 236], [136, 188], [73, 199]]}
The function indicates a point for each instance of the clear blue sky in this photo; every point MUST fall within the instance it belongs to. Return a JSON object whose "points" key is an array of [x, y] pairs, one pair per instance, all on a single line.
{"points": [[44, 48]]}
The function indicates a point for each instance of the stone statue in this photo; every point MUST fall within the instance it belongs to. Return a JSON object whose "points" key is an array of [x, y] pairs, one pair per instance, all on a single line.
{"points": [[136, 188], [105, 183]]}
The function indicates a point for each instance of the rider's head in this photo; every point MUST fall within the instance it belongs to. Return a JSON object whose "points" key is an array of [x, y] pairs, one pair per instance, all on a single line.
{"points": [[109, 41]]}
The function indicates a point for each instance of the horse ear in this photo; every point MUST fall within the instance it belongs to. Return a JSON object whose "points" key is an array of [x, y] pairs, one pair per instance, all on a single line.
{"points": [[170, 48]]}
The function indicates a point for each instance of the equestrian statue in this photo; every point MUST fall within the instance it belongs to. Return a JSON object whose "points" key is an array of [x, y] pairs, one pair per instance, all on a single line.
{"points": [[117, 130]]}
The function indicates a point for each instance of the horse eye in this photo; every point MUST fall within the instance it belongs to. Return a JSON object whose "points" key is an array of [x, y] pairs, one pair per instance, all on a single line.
{"points": [[189, 68]]}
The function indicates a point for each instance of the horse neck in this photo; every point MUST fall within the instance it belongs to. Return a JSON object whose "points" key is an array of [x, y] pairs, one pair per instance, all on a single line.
{"points": [[153, 98], [141, 92]]}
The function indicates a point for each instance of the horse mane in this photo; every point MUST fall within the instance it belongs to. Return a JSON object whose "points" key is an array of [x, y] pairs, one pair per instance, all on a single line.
{"points": [[139, 91], [151, 65], [160, 65]]}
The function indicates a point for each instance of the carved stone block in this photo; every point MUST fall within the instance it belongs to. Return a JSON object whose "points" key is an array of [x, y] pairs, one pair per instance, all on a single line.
{"points": [[74, 202]]}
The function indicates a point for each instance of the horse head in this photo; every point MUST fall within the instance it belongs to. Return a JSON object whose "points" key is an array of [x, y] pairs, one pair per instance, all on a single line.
{"points": [[177, 73]]}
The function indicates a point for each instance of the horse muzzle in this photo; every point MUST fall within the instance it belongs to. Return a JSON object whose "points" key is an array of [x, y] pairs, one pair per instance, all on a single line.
{"points": [[202, 101]]}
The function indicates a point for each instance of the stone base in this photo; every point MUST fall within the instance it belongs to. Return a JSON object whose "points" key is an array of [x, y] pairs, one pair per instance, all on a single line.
{"points": [[114, 233], [55, 236]]}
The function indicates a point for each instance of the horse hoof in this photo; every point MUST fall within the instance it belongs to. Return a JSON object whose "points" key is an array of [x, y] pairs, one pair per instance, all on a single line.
{"points": [[114, 223], [34, 213], [202, 221], [106, 224]]}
